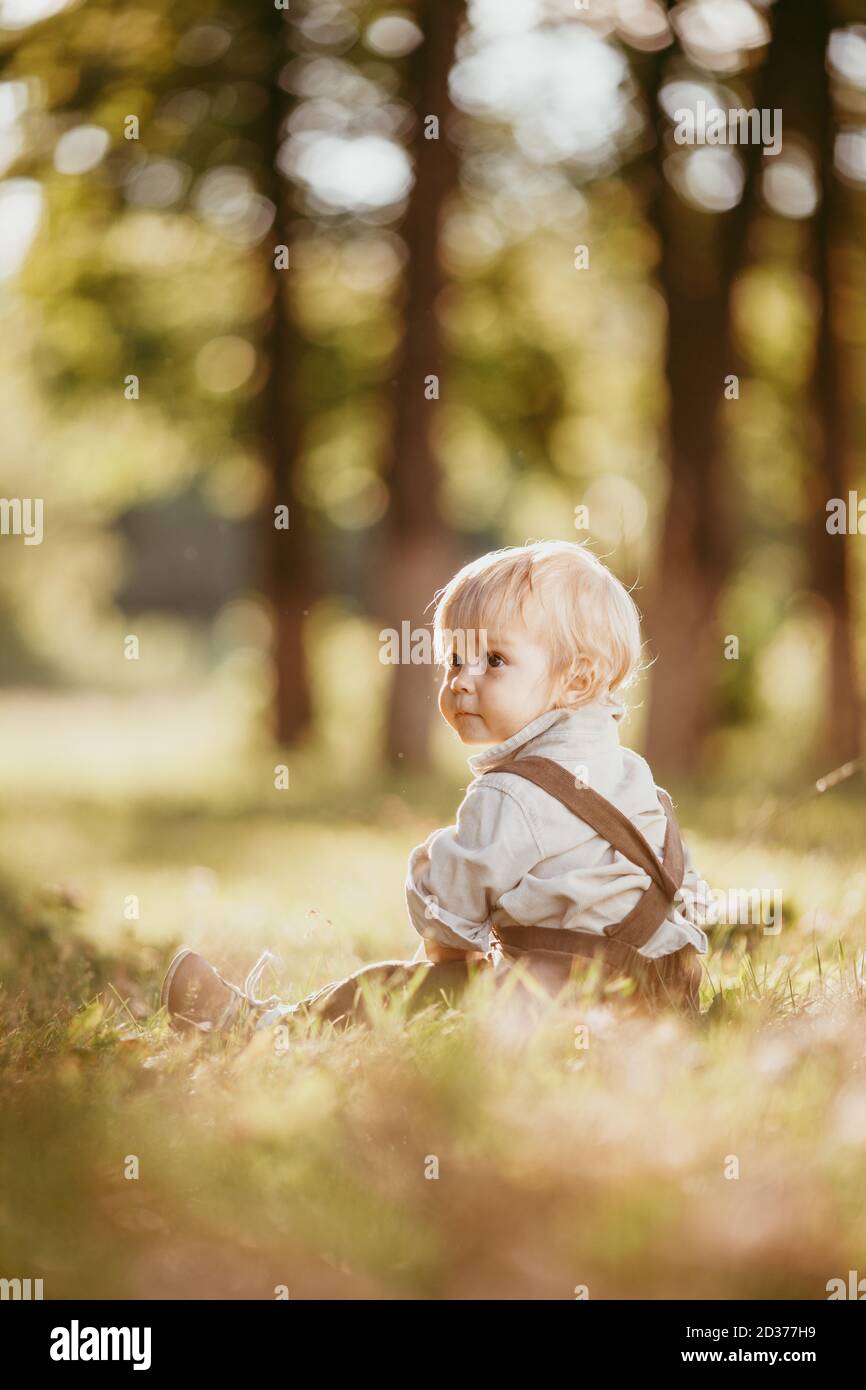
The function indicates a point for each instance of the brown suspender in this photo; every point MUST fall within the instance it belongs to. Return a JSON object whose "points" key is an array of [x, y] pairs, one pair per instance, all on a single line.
{"points": [[621, 939]]}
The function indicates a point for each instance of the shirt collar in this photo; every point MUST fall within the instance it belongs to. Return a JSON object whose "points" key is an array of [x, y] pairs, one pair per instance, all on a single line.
{"points": [[565, 733]]}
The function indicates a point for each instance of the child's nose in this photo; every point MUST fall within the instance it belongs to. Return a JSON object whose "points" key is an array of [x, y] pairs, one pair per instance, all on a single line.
{"points": [[466, 677]]}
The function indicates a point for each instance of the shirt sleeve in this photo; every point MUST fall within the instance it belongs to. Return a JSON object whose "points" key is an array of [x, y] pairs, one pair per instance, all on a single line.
{"points": [[458, 875]]}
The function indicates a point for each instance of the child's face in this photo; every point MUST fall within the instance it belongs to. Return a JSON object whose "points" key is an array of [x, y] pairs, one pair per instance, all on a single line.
{"points": [[506, 686]]}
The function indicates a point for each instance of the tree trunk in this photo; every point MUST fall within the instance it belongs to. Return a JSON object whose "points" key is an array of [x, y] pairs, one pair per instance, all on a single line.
{"points": [[419, 552], [811, 24], [289, 579], [288, 574], [701, 253], [797, 83], [793, 79], [694, 550]]}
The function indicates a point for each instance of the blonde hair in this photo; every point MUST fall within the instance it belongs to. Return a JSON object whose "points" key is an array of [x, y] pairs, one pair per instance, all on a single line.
{"points": [[591, 623]]}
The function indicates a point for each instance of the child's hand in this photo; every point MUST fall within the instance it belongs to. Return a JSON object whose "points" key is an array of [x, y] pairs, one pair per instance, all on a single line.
{"points": [[439, 954]]}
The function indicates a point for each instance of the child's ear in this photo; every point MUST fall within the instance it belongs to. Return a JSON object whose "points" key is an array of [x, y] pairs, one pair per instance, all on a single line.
{"points": [[582, 681]]}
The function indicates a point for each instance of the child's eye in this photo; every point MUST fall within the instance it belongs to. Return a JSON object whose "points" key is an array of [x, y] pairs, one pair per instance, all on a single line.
{"points": [[494, 660]]}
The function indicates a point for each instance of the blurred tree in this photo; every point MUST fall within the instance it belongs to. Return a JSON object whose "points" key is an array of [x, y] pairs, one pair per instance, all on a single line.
{"points": [[419, 553], [170, 267], [290, 580], [802, 33], [701, 251]]}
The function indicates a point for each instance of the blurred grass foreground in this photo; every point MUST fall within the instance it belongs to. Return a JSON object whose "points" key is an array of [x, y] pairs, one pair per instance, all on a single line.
{"points": [[447, 1157]]}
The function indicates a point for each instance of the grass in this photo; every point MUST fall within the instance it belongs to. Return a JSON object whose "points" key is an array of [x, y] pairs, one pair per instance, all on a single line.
{"points": [[457, 1156]]}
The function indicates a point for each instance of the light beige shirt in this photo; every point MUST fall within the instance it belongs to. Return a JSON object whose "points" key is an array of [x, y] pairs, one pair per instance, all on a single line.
{"points": [[517, 856]]}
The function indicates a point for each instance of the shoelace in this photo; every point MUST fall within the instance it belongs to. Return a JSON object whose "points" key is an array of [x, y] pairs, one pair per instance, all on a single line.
{"points": [[246, 993], [253, 978]]}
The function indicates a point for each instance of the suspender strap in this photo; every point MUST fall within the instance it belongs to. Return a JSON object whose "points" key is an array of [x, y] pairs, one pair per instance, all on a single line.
{"points": [[609, 822]]}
